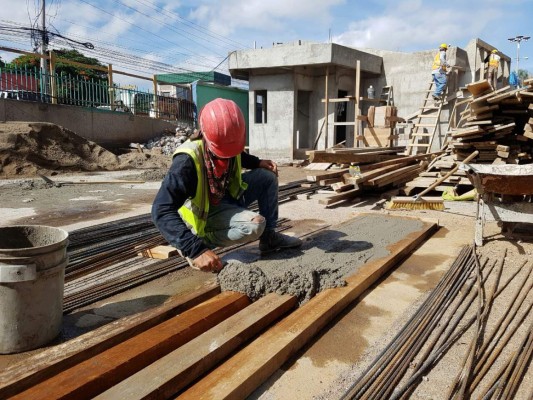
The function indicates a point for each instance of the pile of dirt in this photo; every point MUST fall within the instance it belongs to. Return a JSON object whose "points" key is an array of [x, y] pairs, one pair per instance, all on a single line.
{"points": [[27, 149]]}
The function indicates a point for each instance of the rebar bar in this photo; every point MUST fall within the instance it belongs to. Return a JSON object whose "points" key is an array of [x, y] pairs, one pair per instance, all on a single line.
{"points": [[372, 373]]}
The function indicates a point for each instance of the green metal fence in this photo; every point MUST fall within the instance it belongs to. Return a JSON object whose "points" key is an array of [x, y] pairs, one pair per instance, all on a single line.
{"points": [[30, 84]]}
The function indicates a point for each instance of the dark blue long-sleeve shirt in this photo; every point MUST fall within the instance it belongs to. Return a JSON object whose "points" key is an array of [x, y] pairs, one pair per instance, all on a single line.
{"points": [[178, 185]]}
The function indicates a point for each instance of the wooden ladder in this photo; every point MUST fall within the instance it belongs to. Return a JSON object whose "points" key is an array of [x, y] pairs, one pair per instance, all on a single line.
{"points": [[425, 124], [386, 95]]}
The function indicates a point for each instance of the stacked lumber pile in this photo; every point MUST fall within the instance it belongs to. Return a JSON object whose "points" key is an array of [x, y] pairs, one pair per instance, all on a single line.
{"points": [[498, 124], [348, 183], [344, 155]]}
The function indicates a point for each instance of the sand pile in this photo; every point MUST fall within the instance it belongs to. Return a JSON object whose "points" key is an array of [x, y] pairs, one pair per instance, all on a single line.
{"points": [[27, 149]]}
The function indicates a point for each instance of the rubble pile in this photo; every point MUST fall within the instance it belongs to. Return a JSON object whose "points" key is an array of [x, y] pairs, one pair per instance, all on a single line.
{"points": [[167, 143]]}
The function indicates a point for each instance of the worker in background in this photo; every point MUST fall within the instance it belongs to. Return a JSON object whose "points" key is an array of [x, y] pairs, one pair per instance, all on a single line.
{"points": [[203, 199], [439, 71], [493, 60]]}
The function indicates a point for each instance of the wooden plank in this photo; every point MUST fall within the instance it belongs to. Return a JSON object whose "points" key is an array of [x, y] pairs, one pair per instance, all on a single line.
{"points": [[41, 366], [479, 87], [400, 161], [342, 187], [528, 135], [501, 127], [159, 252], [406, 178], [503, 154], [482, 99], [339, 100], [478, 109], [366, 150], [238, 377], [340, 197], [318, 166], [376, 136], [348, 123], [390, 177], [327, 175], [480, 117], [500, 97], [178, 369], [366, 176], [467, 131], [355, 158], [479, 122], [99, 373], [330, 181]]}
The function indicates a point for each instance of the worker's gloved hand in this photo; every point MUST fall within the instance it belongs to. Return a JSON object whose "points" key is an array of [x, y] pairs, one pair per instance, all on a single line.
{"points": [[208, 261]]}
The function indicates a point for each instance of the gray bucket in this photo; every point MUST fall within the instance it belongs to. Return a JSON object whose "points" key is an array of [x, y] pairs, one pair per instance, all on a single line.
{"points": [[32, 272]]}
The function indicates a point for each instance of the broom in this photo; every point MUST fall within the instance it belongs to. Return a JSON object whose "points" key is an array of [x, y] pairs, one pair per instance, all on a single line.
{"points": [[417, 202]]}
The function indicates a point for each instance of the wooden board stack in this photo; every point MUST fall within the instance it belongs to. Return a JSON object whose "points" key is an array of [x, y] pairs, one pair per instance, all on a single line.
{"points": [[498, 124], [344, 155], [371, 177]]}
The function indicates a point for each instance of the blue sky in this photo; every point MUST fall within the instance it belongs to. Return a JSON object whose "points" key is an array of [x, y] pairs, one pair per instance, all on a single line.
{"points": [[172, 35]]}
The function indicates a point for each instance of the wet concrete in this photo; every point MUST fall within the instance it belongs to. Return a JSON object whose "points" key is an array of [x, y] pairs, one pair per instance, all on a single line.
{"points": [[322, 262]]}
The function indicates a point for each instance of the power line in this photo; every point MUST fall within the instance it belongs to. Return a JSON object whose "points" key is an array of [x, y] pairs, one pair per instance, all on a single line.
{"points": [[134, 49], [138, 27], [113, 56], [194, 25], [164, 23]]}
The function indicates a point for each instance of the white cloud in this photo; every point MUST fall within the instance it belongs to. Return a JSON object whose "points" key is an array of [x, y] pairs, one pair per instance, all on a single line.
{"points": [[411, 25], [228, 16]]}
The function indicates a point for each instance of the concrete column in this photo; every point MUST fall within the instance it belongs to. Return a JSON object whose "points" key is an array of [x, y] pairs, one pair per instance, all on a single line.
{"points": [[357, 111], [326, 110]]}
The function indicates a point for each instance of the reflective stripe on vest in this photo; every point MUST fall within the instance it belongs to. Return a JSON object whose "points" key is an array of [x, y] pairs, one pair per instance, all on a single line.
{"points": [[437, 64], [195, 210], [494, 60]]}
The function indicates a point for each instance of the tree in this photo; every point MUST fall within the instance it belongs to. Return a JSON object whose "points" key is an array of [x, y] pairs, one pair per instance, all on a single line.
{"points": [[87, 73], [77, 85], [523, 74], [2, 63]]}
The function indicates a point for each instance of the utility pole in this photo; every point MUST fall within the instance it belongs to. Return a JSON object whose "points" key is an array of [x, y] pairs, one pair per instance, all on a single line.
{"points": [[44, 40]]}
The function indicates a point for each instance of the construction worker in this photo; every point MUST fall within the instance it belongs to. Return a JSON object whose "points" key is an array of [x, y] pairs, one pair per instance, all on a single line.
{"points": [[203, 199], [493, 59], [439, 71]]}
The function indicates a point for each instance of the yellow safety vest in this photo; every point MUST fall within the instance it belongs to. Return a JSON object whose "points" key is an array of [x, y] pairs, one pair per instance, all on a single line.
{"points": [[494, 60], [194, 211], [436, 63]]}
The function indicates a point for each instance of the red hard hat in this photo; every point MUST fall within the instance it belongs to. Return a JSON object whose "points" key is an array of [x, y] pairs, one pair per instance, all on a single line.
{"points": [[222, 124]]}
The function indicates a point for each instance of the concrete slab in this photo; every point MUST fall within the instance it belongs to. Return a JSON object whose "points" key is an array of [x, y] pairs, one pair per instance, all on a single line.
{"points": [[322, 262]]}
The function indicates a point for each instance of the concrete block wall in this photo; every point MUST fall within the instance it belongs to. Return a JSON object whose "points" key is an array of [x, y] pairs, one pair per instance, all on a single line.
{"points": [[107, 128], [273, 140]]}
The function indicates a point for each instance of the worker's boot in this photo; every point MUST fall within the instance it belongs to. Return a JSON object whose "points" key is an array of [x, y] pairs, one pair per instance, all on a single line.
{"points": [[271, 241]]}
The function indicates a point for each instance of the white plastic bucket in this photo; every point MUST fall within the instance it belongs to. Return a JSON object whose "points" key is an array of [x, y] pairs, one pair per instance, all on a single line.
{"points": [[32, 272]]}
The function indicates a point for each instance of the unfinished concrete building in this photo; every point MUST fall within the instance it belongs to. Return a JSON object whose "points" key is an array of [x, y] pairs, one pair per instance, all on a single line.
{"points": [[300, 83]]}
